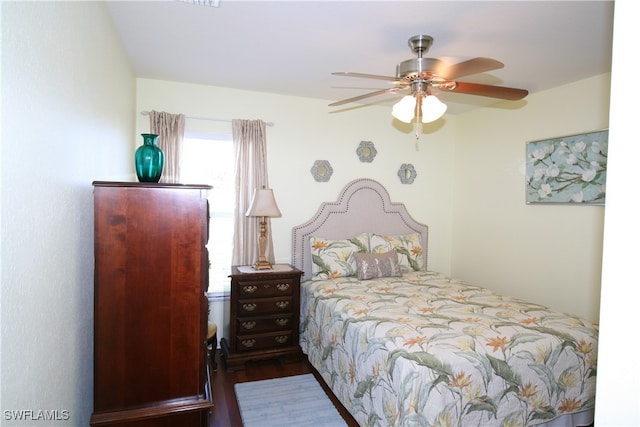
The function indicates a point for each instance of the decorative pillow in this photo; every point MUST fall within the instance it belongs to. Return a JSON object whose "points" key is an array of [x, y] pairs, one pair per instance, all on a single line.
{"points": [[372, 266], [334, 258], [408, 248]]}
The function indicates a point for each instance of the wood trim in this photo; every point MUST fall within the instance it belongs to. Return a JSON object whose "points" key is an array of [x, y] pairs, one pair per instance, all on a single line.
{"points": [[154, 410], [150, 185]]}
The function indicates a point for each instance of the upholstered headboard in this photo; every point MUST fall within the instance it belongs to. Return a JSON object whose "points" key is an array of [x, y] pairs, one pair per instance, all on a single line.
{"points": [[363, 206]]}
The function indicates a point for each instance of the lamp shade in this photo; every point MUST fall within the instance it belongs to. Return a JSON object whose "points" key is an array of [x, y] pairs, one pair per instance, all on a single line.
{"points": [[263, 204], [432, 108], [404, 110]]}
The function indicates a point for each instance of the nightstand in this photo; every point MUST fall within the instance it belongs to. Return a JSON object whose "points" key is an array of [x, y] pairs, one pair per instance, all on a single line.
{"points": [[264, 315]]}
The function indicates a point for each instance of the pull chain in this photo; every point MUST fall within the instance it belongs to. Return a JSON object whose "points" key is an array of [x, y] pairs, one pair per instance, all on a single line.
{"points": [[416, 127]]}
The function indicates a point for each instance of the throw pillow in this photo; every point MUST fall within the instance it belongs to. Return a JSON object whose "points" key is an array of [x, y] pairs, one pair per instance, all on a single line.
{"points": [[376, 265]]}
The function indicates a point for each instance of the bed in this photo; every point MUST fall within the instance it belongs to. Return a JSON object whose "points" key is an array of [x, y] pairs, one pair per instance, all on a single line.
{"points": [[401, 345]]}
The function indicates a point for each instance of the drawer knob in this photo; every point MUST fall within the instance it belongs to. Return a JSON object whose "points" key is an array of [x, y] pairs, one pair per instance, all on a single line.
{"points": [[249, 289], [283, 287], [248, 343], [282, 304], [248, 325], [282, 322], [282, 339], [249, 307]]}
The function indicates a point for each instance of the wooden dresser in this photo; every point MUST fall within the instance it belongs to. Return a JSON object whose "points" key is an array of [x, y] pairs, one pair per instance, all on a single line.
{"points": [[150, 305], [264, 316]]}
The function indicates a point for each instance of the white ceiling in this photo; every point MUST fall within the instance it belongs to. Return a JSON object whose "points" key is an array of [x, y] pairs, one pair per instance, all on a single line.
{"points": [[292, 47]]}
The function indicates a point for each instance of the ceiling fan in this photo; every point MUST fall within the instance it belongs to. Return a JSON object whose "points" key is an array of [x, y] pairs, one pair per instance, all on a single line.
{"points": [[422, 75]]}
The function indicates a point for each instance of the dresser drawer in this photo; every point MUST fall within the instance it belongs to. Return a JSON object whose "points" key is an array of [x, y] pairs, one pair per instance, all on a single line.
{"points": [[254, 325], [254, 307], [265, 288], [265, 341]]}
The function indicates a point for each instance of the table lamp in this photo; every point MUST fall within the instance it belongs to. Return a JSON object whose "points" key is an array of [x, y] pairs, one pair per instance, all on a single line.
{"points": [[263, 205]]}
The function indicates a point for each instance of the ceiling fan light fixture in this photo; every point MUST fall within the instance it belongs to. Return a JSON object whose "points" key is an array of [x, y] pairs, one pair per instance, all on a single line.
{"points": [[404, 110], [422, 74], [432, 108]]}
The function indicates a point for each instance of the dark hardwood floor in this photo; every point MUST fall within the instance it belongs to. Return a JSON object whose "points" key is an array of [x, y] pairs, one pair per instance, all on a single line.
{"points": [[226, 413]]}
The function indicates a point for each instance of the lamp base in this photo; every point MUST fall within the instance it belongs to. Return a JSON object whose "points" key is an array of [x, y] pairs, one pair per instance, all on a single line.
{"points": [[262, 265]]}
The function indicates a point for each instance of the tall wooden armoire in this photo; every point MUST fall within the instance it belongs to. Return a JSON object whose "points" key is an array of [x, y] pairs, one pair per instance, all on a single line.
{"points": [[150, 315]]}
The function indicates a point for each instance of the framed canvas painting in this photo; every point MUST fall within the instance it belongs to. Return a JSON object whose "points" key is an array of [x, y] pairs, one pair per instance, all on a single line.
{"points": [[568, 169]]}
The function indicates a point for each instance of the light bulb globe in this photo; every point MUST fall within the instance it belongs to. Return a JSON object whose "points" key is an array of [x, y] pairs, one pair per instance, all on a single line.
{"points": [[432, 109], [404, 110]]}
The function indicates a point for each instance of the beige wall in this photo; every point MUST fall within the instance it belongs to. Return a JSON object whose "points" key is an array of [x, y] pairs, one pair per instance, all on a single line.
{"points": [[67, 119], [469, 189], [550, 254], [306, 130]]}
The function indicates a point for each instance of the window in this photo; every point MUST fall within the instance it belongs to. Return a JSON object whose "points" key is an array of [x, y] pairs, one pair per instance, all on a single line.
{"points": [[209, 160]]}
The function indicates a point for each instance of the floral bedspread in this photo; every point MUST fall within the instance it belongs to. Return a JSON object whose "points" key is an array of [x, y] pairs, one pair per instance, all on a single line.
{"points": [[429, 350]]}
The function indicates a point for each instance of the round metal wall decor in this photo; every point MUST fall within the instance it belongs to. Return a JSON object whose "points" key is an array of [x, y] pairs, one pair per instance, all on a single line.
{"points": [[321, 170], [366, 151], [407, 173]]}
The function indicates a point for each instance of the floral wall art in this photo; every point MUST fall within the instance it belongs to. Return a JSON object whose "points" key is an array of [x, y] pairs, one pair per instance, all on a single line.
{"points": [[569, 169]]}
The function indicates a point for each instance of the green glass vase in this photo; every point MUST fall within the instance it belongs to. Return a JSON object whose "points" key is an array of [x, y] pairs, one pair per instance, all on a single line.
{"points": [[149, 159]]}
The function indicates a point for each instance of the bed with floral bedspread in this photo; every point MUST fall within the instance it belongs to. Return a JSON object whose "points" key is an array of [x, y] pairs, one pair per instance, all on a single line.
{"points": [[424, 349], [400, 345]]}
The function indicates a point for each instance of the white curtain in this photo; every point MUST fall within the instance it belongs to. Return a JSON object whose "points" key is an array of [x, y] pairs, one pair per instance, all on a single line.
{"points": [[170, 130], [250, 145]]}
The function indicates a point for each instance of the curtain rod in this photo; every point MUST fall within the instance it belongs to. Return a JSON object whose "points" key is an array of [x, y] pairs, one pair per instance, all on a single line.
{"points": [[146, 113]]}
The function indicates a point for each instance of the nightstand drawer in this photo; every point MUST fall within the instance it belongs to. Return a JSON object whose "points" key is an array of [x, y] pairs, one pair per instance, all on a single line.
{"points": [[270, 288], [254, 307], [249, 326], [259, 342]]}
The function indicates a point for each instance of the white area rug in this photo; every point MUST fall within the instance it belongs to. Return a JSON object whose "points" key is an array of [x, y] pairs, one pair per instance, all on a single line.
{"points": [[290, 401]]}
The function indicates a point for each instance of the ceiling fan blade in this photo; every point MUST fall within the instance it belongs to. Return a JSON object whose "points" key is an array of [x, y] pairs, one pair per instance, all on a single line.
{"points": [[366, 95], [467, 68], [501, 92], [368, 76]]}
